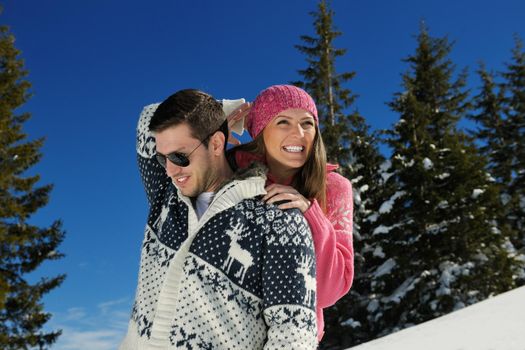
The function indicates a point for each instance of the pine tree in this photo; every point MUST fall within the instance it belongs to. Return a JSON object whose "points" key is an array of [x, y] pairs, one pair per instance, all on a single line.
{"points": [[501, 130], [340, 131], [496, 143], [438, 244], [493, 131], [348, 142], [23, 247], [514, 87]]}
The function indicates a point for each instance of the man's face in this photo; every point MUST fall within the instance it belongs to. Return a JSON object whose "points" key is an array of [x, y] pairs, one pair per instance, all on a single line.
{"points": [[200, 175]]}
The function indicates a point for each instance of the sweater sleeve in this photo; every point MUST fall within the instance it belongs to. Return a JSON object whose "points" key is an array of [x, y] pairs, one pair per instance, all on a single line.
{"points": [[332, 235], [153, 175], [288, 277]]}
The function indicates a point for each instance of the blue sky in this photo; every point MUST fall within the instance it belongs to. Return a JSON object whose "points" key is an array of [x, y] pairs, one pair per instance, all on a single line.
{"points": [[94, 64]]}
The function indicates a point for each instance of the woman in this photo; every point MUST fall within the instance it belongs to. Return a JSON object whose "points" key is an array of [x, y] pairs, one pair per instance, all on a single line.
{"points": [[284, 126]]}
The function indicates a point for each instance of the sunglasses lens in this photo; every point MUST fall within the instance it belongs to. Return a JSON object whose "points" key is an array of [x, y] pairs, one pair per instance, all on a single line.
{"points": [[178, 159], [161, 159], [175, 158]]}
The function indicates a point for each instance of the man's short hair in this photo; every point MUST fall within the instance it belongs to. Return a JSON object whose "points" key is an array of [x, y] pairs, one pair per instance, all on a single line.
{"points": [[200, 111]]}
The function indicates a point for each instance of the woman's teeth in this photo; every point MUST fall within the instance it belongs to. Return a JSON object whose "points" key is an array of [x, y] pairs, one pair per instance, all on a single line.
{"points": [[293, 149]]}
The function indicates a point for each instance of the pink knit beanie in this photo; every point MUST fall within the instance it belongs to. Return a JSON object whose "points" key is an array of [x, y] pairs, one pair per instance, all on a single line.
{"points": [[275, 99]]}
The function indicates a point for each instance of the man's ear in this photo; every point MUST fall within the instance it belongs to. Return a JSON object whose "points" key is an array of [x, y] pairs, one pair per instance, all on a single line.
{"points": [[217, 143]]}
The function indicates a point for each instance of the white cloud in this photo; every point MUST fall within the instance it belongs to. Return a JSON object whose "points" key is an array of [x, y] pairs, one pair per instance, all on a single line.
{"points": [[102, 328], [75, 313], [75, 339], [107, 306]]}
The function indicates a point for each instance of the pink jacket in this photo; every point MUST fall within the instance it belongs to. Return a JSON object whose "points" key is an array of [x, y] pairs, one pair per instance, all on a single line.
{"points": [[332, 235]]}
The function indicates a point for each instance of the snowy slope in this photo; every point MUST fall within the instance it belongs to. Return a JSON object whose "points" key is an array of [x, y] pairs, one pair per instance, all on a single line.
{"points": [[494, 324]]}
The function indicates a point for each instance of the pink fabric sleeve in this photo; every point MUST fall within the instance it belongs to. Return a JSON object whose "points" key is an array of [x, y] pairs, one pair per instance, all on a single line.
{"points": [[332, 235]]}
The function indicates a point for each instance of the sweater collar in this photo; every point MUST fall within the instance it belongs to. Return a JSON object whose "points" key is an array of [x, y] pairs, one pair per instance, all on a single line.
{"points": [[245, 183]]}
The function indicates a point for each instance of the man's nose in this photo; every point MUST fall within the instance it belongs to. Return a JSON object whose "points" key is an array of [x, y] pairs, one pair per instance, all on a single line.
{"points": [[172, 169]]}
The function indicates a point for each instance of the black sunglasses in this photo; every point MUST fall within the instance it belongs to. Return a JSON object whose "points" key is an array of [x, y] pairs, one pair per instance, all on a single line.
{"points": [[181, 159], [177, 158]]}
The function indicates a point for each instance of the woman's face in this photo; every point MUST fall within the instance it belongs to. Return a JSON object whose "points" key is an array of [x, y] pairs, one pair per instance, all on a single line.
{"points": [[288, 140]]}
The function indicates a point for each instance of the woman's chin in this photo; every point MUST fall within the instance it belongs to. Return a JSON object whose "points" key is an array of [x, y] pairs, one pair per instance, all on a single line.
{"points": [[293, 164]]}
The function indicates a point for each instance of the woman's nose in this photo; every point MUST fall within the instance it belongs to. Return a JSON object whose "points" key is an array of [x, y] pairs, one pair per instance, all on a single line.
{"points": [[299, 129]]}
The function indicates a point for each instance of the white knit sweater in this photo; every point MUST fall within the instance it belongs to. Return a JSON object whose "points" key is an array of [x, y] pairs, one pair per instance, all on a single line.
{"points": [[241, 277]]}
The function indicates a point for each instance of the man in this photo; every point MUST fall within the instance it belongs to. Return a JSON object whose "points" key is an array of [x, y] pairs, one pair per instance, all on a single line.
{"points": [[220, 269]]}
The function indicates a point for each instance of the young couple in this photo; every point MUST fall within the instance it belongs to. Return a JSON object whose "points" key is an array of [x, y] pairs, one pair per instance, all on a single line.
{"points": [[243, 248]]}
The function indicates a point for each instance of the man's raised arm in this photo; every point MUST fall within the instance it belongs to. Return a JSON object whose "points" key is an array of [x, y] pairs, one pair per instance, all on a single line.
{"points": [[153, 175]]}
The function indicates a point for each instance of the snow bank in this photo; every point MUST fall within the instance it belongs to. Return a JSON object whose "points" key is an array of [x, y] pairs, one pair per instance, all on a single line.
{"points": [[495, 323]]}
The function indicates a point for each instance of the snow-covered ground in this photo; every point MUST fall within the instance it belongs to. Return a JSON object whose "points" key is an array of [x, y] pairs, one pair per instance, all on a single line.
{"points": [[494, 324]]}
